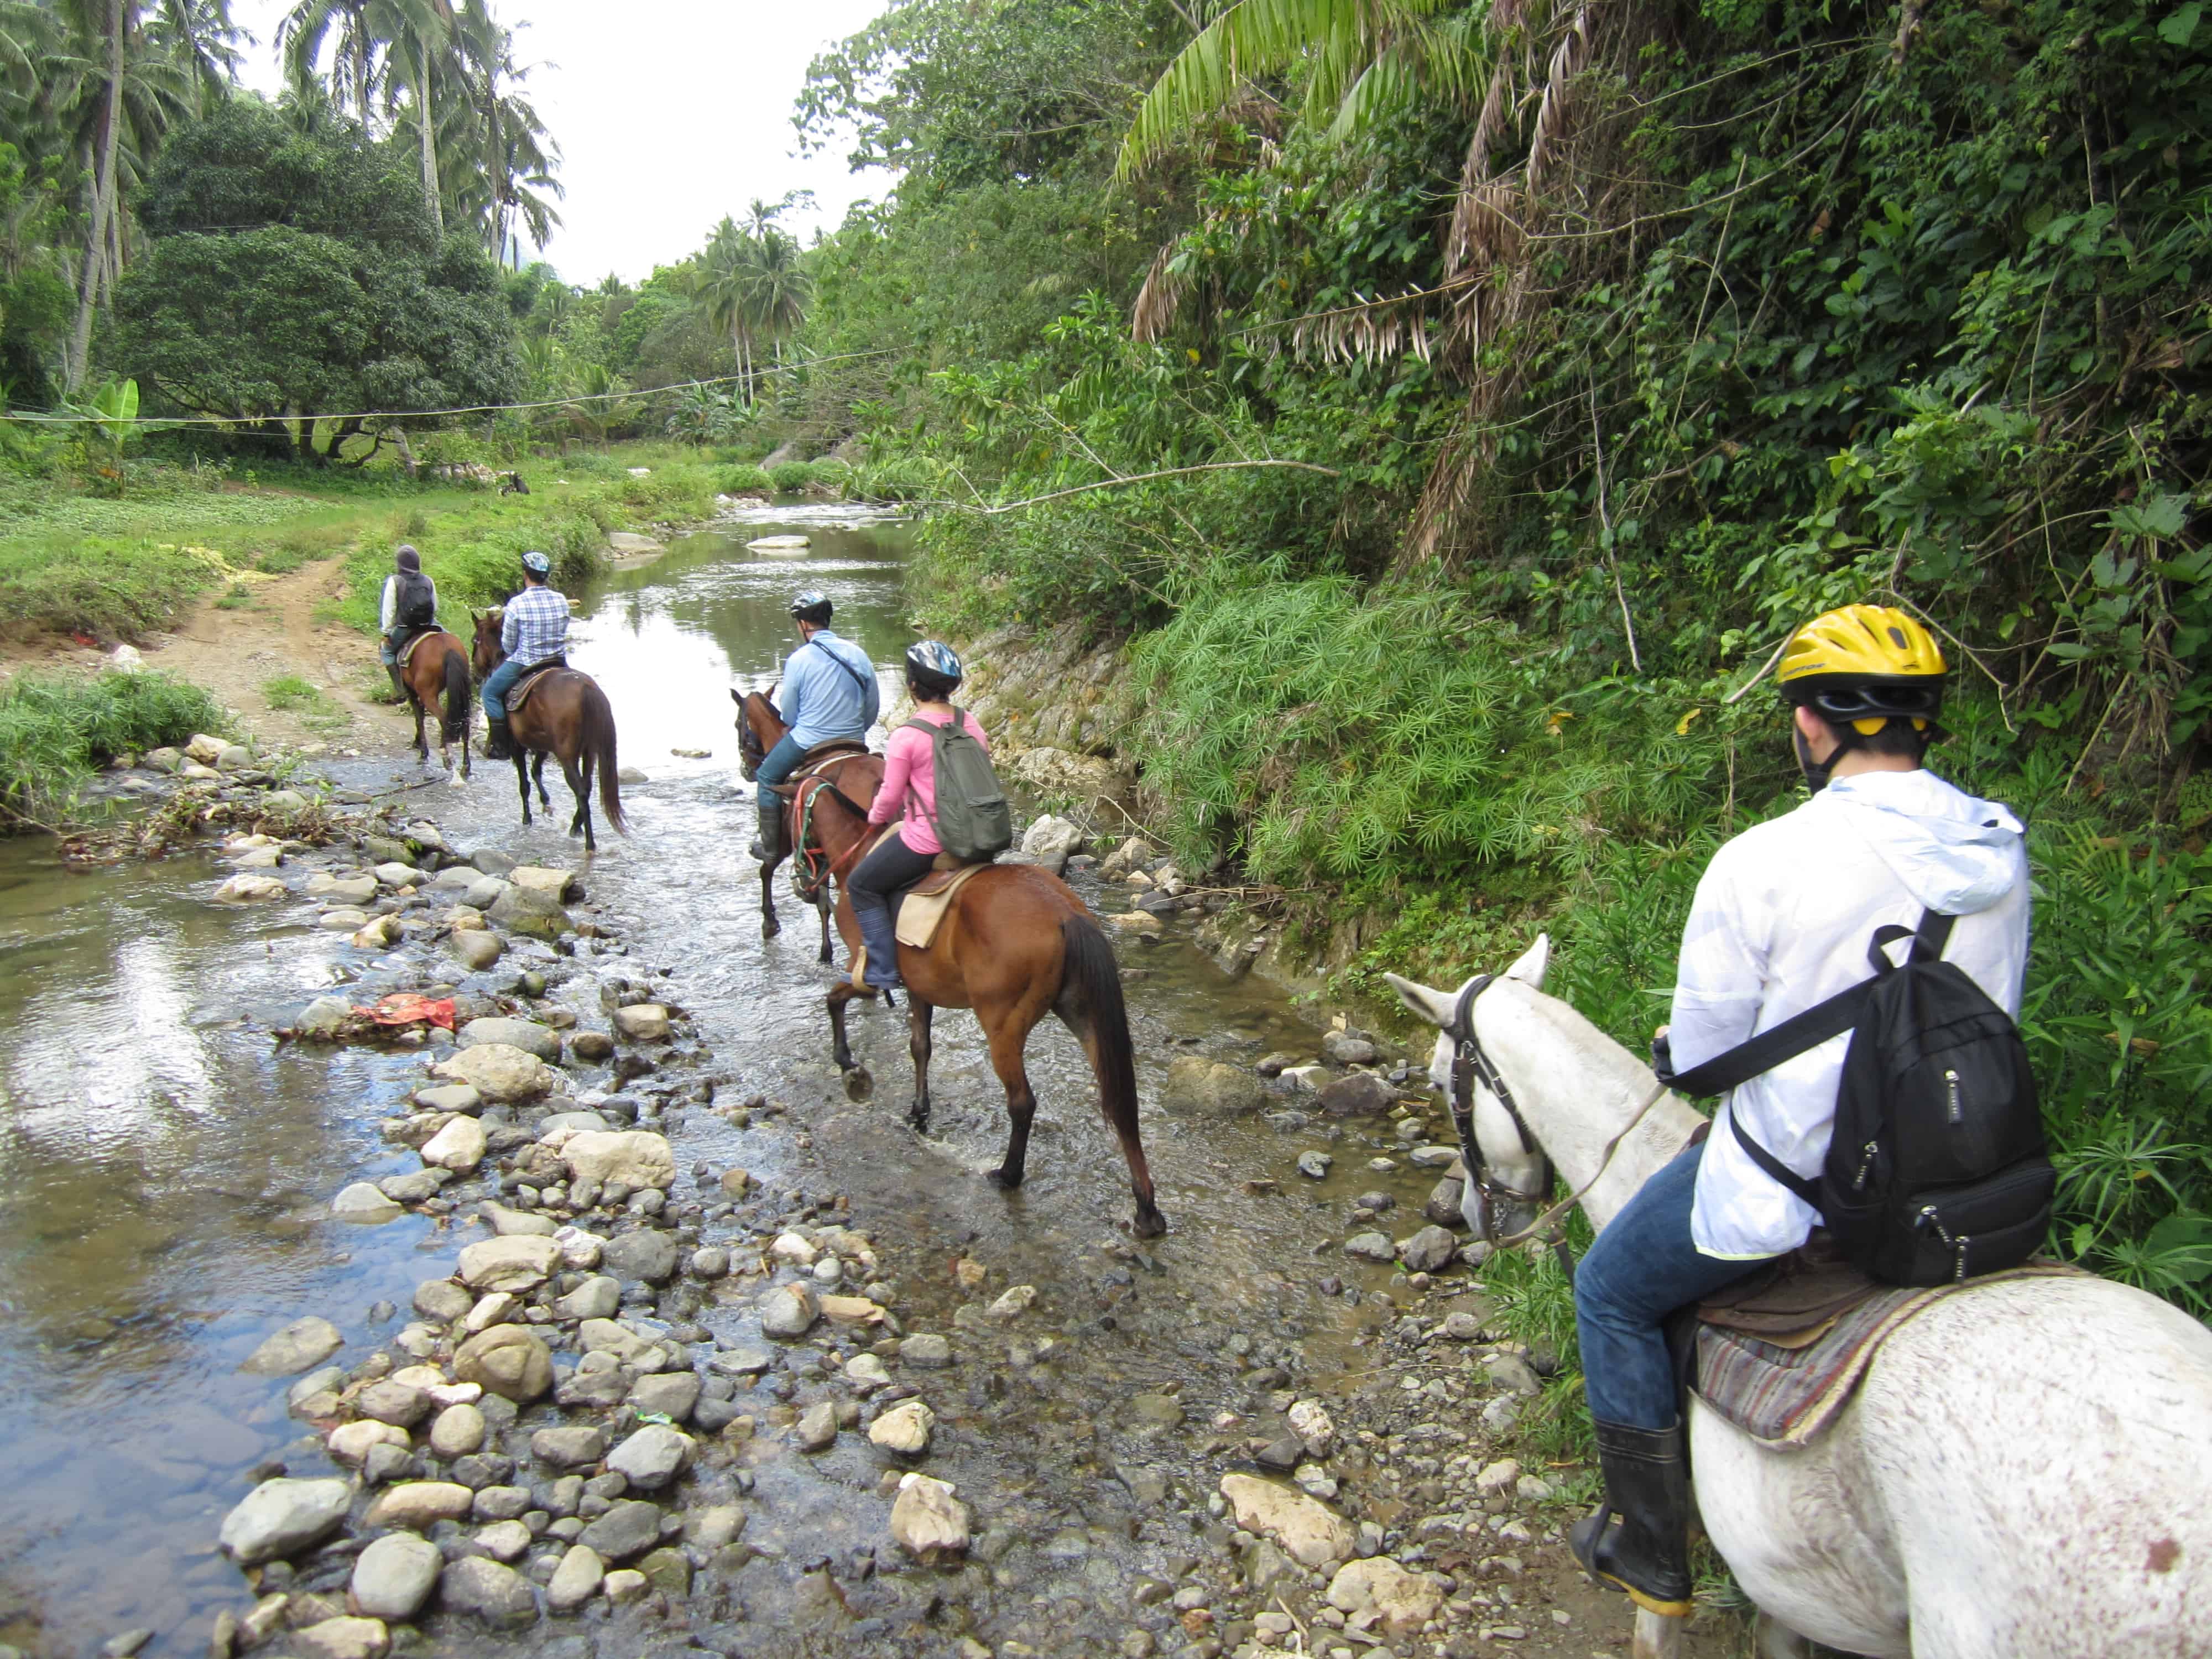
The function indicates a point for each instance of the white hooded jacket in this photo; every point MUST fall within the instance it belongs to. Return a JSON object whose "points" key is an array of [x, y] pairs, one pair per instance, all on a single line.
{"points": [[1782, 920]]}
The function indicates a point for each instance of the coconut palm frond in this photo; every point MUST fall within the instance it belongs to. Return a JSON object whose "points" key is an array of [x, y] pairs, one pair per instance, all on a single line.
{"points": [[1372, 331]]}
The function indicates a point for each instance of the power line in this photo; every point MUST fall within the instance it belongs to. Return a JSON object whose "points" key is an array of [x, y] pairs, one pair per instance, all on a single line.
{"points": [[165, 421]]}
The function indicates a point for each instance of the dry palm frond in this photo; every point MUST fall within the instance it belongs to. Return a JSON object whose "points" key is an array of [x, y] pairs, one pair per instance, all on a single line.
{"points": [[1371, 329], [1159, 299], [1557, 115]]}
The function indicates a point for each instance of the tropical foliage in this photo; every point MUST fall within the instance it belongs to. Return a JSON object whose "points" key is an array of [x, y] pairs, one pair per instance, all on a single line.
{"points": [[1456, 403]]}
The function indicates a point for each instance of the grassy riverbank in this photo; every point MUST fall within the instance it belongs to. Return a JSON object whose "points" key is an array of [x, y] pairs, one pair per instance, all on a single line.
{"points": [[121, 568]]}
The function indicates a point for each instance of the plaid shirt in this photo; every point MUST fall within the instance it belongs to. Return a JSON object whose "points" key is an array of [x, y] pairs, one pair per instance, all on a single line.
{"points": [[536, 626]]}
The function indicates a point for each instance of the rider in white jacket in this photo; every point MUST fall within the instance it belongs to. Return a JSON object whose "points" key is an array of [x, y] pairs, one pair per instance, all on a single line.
{"points": [[1781, 922]]}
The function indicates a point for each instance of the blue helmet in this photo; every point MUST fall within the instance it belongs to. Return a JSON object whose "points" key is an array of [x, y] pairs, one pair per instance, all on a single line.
{"points": [[813, 605], [537, 564], [933, 665]]}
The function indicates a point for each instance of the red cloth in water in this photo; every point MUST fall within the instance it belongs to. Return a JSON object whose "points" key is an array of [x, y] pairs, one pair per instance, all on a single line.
{"points": [[411, 1008]]}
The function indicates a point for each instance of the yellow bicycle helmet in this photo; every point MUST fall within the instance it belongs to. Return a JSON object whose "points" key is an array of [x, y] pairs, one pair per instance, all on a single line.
{"points": [[1864, 665]]}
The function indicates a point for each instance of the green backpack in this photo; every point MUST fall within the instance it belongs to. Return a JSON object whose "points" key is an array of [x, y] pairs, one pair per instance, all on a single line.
{"points": [[973, 821]]}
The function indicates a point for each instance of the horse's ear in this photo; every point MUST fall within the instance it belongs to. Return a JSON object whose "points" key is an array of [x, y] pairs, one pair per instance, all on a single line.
{"points": [[1434, 1006], [737, 696], [1529, 971]]}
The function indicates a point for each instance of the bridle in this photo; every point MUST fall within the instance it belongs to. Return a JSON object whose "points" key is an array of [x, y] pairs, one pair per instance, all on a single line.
{"points": [[1472, 1065]]}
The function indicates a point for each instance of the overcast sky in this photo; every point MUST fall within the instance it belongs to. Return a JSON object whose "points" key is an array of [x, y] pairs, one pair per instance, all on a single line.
{"points": [[669, 114]]}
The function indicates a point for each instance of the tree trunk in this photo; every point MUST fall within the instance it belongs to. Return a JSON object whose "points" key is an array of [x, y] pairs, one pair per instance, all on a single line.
{"points": [[425, 114], [103, 202], [407, 462]]}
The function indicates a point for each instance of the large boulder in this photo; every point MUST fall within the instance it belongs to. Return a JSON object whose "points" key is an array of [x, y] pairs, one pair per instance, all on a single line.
{"points": [[1362, 1094], [459, 1146], [499, 1071], [528, 910], [505, 1360], [495, 1593], [1311, 1532], [394, 1576], [515, 1263], [526, 1035], [541, 878], [1051, 841], [1198, 1084], [279, 1518], [1380, 1588], [299, 1347], [927, 1521], [638, 1158]]}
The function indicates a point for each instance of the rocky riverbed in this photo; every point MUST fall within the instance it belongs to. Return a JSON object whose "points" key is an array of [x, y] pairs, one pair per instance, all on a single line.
{"points": [[603, 1324]]}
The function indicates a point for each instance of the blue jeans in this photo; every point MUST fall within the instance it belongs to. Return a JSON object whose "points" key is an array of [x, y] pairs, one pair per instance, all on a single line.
{"points": [[498, 683], [389, 655], [776, 766], [1641, 1269]]}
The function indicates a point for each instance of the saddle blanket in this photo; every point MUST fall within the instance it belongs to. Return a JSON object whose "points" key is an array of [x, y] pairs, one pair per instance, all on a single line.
{"points": [[407, 651], [530, 681], [1783, 1388], [921, 912]]}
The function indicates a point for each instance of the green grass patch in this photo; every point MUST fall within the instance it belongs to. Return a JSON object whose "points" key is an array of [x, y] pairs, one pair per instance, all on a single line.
{"points": [[55, 732], [291, 694]]}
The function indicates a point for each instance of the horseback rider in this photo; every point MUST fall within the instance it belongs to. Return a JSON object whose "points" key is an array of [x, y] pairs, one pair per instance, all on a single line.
{"points": [[410, 607], [830, 692], [908, 793], [533, 631], [1780, 923]]}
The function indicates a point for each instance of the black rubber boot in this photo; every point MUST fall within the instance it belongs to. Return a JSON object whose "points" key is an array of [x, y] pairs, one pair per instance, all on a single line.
{"points": [[768, 846], [498, 745], [398, 685], [1647, 1491], [881, 937]]}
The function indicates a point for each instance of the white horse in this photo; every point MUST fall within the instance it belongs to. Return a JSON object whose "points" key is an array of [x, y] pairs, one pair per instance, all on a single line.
{"points": [[2025, 1469]]}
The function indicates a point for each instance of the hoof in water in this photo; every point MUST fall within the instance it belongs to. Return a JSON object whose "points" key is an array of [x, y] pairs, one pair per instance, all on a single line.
{"points": [[1001, 1180], [860, 1084], [1149, 1223]]}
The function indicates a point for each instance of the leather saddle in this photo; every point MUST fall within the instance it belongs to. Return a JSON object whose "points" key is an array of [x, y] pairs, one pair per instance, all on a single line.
{"points": [[408, 641], [1792, 1303], [944, 873], [520, 691]]}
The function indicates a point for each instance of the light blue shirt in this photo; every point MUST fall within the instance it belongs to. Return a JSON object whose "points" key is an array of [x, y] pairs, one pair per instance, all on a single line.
{"points": [[821, 699]]}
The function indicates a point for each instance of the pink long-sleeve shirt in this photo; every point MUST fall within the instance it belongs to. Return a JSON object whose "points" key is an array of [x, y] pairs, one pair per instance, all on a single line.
{"points": [[909, 790]]}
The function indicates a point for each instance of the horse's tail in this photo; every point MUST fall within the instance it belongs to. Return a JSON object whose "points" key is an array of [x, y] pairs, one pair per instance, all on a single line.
{"points": [[1092, 979], [599, 742], [457, 711]]}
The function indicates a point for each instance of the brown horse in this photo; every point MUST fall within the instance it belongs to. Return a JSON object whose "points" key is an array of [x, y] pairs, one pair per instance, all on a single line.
{"points": [[826, 839], [567, 716], [1015, 944], [439, 662]]}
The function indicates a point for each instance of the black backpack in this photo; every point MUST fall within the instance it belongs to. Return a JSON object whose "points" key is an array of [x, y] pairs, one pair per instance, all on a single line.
{"points": [[1937, 1169], [417, 605]]}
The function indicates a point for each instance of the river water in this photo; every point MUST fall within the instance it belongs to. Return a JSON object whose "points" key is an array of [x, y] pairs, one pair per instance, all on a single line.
{"points": [[166, 1170]]}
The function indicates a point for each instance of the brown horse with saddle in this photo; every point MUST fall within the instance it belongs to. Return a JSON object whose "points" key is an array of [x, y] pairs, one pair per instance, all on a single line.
{"points": [[843, 771], [431, 662], [1013, 943], [558, 711]]}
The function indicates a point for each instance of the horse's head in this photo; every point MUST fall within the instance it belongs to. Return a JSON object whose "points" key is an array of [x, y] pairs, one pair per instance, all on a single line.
{"points": [[1508, 1176], [484, 652], [756, 715]]}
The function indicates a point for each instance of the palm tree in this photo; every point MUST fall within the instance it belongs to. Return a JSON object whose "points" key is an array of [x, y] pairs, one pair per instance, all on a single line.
{"points": [[718, 284], [424, 64], [299, 38], [775, 288], [1369, 57], [512, 168]]}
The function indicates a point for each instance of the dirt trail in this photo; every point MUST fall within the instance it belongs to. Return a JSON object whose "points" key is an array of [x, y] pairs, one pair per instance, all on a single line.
{"points": [[235, 651]]}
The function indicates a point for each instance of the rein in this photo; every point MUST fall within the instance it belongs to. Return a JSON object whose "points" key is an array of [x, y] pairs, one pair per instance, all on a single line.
{"points": [[1470, 1064], [821, 868]]}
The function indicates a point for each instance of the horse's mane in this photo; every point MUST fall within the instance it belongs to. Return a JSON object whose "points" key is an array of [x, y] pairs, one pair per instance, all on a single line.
{"points": [[1611, 1061]]}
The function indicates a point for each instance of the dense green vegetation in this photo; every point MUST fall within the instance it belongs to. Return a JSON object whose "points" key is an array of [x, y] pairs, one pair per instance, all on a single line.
{"points": [[54, 733], [1457, 404]]}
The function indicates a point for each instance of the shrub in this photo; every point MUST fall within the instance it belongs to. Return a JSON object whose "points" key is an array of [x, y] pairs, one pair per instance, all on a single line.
{"points": [[53, 733], [791, 478], [745, 481]]}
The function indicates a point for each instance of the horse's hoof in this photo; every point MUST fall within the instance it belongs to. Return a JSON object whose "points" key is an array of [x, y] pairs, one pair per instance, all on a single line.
{"points": [[860, 1083], [918, 1120], [1001, 1180], [1149, 1223]]}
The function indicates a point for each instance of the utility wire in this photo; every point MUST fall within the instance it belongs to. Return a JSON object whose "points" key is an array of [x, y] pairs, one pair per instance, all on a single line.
{"points": [[166, 422]]}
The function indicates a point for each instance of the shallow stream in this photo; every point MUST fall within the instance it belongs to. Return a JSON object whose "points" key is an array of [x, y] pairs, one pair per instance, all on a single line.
{"points": [[166, 1170]]}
